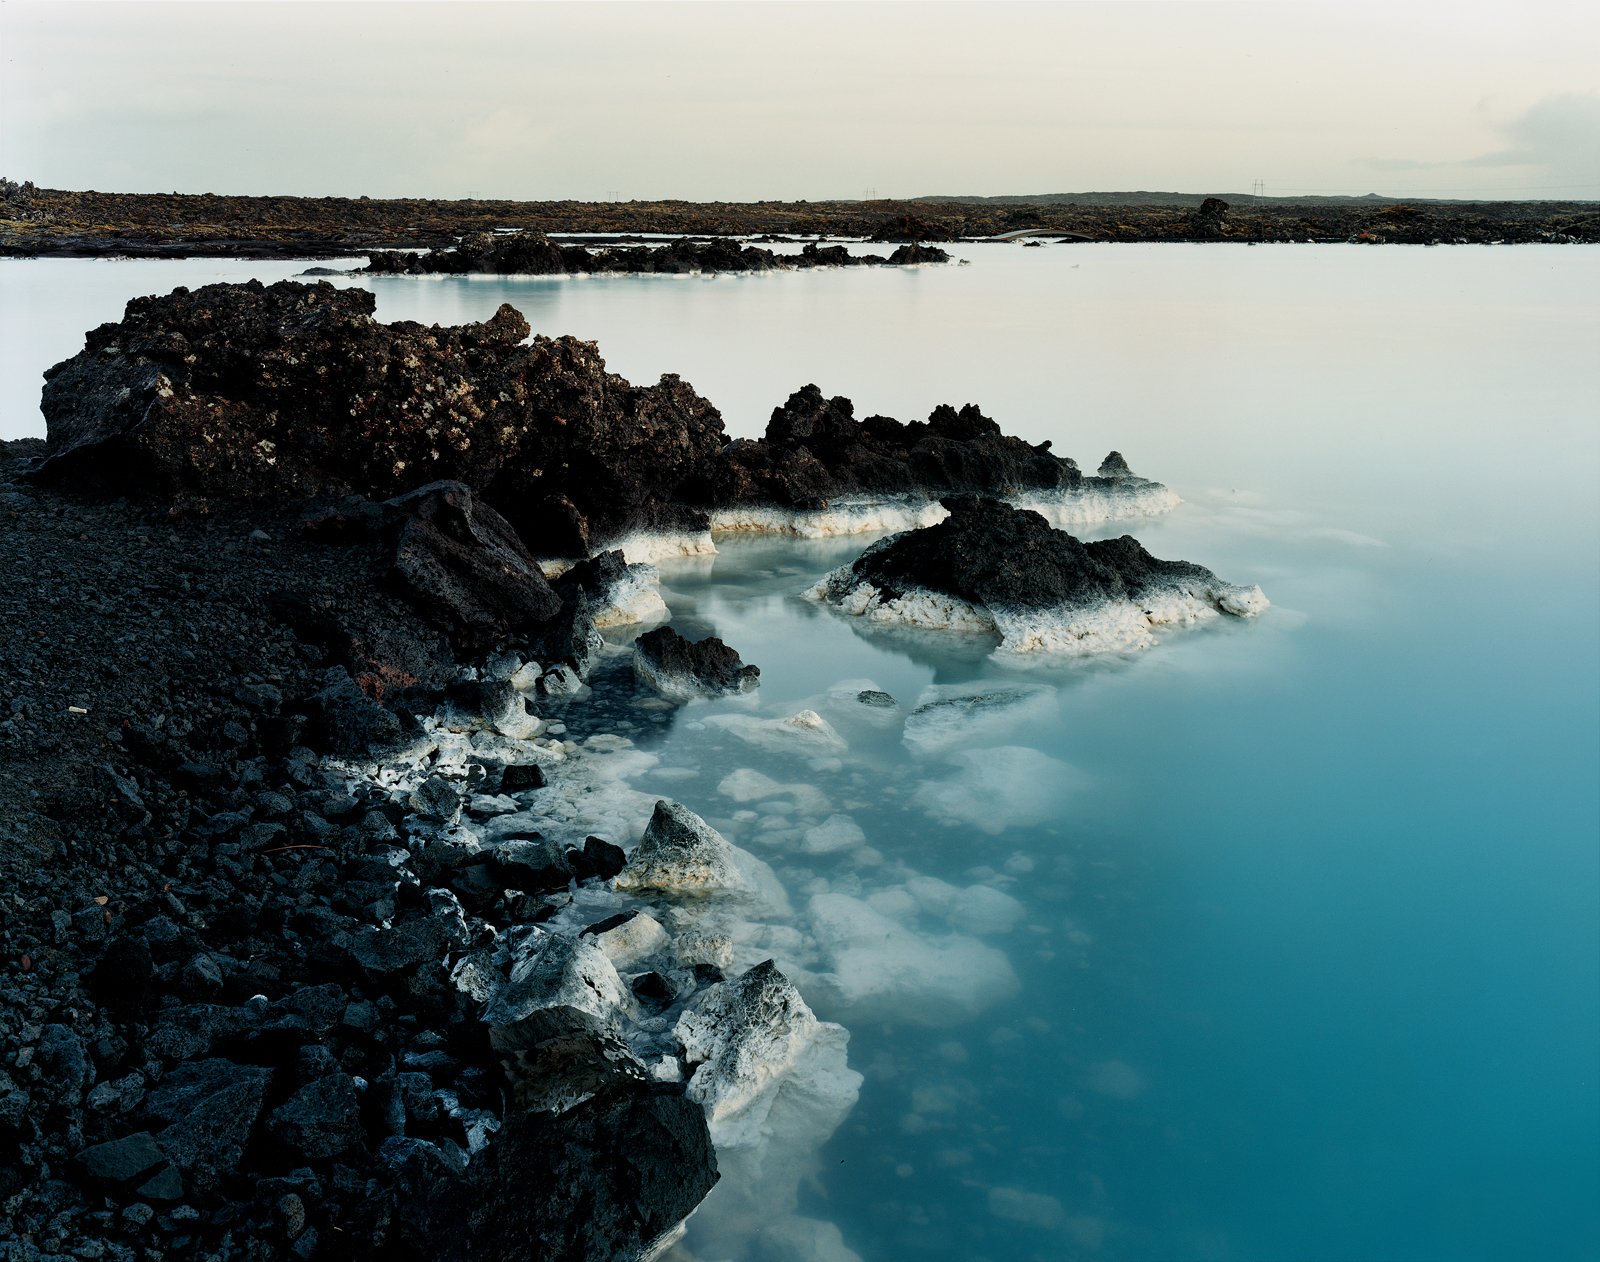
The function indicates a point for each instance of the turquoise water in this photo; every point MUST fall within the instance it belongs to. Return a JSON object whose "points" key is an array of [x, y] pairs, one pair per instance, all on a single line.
{"points": [[1305, 936]]}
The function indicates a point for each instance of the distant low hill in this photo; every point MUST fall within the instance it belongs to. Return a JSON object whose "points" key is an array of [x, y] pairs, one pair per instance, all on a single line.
{"points": [[1144, 198]]}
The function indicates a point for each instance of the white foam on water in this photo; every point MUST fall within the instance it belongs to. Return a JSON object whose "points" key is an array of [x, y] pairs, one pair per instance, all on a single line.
{"points": [[992, 790], [875, 968]]}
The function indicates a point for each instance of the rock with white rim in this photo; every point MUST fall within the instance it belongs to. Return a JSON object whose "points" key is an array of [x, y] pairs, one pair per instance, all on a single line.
{"points": [[682, 855], [993, 569], [751, 1038], [683, 669], [557, 1023]]}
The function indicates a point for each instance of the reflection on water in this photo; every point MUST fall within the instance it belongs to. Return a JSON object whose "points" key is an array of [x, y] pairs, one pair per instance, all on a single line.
{"points": [[1278, 941]]}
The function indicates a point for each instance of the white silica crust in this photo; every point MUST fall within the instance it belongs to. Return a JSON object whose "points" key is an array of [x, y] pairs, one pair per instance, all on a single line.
{"points": [[649, 546], [1117, 626], [844, 517], [752, 1038], [1093, 504], [1126, 497], [635, 598]]}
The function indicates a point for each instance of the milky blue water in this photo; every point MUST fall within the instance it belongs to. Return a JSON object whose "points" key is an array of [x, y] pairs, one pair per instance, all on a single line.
{"points": [[1305, 937]]}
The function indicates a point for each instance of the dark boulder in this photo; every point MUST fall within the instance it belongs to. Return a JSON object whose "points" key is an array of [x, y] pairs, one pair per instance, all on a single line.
{"points": [[345, 722], [205, 1112], [464, 568], [133, 1165], [614, 1175], [989, 553], [321, 1120], [913, 253], [682, 668], [570, 638], [1209, 220]]}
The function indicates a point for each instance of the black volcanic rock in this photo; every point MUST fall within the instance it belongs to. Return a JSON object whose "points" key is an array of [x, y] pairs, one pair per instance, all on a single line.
{"points": [[815, 450], [253, 392], [1209, 221], [678, 667], [989, 553], [613, 1176], [1009, 572], [534, 254], [464, 568]]}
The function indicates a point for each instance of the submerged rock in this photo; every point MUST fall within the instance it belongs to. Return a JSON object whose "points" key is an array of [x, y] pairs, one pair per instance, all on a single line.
{"points": [[993, 568], [681, 669]]}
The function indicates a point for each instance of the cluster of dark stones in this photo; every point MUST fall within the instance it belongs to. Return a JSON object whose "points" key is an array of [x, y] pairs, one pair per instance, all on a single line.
{"points": [[534, 254], [269, 1058], [227, 1023], [989, 553], [254, 393]]}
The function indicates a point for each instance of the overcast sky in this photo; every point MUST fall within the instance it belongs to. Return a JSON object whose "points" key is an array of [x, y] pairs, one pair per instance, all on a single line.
{"points": [[754, 100]]}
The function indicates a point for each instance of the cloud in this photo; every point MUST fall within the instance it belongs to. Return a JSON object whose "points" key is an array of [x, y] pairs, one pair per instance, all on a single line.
{"points": [[1553, 145]]}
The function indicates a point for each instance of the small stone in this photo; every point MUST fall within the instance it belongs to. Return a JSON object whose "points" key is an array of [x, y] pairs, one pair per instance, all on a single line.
{"points": [[436, 798], [520, 776]]}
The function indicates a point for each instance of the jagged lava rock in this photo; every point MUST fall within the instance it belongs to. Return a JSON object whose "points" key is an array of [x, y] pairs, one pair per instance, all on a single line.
{"points": [[464, 568], [680, 668], [257, 392], [815, 450], [534, 254], [615, 592], [682, 854], [991, 567], [749, 1037], [610, 1179], [556, 1023]]}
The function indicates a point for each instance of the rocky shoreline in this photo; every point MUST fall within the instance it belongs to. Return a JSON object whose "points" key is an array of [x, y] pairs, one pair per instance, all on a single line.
{"points": [[534, 254], [323, 936], [60, 223]]}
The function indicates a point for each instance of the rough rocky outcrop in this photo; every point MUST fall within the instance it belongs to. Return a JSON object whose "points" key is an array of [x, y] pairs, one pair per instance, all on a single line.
{"points": [[1209, 220], [990, 567], [815, 450], [534, 254], [253, 392], [682, 669]]}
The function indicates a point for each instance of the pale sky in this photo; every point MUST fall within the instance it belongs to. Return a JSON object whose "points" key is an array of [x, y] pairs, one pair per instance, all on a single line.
{"points": [[740, 101]]}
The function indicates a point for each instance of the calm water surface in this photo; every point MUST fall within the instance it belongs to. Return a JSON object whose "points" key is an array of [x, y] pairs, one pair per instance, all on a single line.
{"points": [[1285, 943]]}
